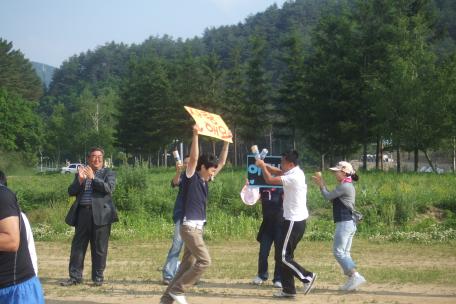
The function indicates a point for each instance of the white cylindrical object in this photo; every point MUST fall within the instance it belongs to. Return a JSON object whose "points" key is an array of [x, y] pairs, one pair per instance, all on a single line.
{"points": [[176, 156], [255, 152], [263, 153]]}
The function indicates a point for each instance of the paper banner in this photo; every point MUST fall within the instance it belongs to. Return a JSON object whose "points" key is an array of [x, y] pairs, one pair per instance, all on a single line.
{"points": [[211, 124]]}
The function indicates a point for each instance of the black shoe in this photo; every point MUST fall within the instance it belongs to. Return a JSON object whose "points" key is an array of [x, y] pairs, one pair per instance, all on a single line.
{"points": [[70, 282], [98, 283]]}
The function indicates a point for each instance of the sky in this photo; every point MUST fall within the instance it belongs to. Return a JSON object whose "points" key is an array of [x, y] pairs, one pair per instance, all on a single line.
{"points": [[50, 31]]}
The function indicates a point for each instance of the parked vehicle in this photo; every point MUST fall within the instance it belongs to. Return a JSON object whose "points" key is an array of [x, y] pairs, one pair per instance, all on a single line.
{"points": [[71, 168]]}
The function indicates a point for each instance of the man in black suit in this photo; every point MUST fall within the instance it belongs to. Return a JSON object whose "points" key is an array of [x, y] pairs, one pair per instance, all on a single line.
{"points": [[91, 214]]}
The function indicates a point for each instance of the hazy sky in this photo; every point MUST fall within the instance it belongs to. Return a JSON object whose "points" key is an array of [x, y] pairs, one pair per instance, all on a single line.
{"points": [[50, 31]]}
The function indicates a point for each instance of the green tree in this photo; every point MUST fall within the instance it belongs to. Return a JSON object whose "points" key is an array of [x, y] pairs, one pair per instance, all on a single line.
{"points": [[20, 126], [146, 109], [234, 97], [17, 74], [333, 96], [292, 95], [255, 117]]}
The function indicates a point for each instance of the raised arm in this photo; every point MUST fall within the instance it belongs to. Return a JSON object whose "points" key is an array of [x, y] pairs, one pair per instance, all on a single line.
{"points": [[275, 171], [271, 180], [328, 195], [177, 177], [223, 156], [194, 153]]}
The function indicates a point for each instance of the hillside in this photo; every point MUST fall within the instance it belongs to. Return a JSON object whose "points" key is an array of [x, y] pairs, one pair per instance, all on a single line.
{"points": [[44, 71]]}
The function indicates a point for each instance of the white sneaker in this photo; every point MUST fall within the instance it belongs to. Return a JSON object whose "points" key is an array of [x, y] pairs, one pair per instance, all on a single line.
{"points": [[180, 299], [348, 283], [308, 286], [356, 281], [277, 284], [257, 280], [281, 294]]}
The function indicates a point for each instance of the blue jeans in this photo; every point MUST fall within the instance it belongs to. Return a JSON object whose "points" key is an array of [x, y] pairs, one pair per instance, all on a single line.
{"points": [[171, 264], [343, 238]]}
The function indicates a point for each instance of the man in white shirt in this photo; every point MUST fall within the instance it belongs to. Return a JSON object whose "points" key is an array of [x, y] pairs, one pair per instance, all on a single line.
{"points": [[295, 213]]}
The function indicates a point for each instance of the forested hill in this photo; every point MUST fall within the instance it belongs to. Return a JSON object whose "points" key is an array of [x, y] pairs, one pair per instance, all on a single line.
{"points": [[285, 77], [44, 71], [110, 62]]}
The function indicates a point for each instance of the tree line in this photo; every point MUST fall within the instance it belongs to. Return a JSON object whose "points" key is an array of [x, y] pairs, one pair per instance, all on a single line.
{"points": [[329, 78]]}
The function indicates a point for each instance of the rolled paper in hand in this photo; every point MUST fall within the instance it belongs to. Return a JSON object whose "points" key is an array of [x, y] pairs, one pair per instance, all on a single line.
{"points": [[255, 152], [177, 157]]}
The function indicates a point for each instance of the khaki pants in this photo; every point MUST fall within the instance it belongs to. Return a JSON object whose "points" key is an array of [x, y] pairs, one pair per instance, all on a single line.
{"points": [[194, 262]]}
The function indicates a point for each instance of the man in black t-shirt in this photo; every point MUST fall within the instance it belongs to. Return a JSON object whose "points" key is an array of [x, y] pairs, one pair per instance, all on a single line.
{"points": [[18, 283], [196, 258]]}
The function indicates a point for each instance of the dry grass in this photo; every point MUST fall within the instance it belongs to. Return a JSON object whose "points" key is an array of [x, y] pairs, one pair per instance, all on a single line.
{"points": [[397, 273]]}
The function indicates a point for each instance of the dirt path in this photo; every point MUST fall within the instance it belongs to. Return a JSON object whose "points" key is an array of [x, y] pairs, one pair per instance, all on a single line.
{"points": [[217, 292], [414, 274]]}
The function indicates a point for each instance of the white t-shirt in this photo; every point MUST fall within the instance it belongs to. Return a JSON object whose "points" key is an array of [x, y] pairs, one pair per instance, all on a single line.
{"points": [[31, 243], [294, 195]]}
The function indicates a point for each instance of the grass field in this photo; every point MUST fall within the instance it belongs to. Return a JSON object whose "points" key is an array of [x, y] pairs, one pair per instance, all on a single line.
{"points": [[396, 273], [406, 246], [397, 207]]}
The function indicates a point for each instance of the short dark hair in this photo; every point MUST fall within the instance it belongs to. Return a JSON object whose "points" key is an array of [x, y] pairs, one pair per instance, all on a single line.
{"points": [[209, 161], [3, 179], [291, 156], [95, 149]]}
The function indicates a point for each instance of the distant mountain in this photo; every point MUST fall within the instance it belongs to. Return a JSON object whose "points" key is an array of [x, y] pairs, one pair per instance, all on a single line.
{"points": [[44, 71]]}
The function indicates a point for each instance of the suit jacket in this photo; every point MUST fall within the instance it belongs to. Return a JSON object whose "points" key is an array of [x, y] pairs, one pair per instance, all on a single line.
{"points": [[103, 209]]}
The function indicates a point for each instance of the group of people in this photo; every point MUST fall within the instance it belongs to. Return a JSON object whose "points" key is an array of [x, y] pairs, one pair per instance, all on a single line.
{"points": [[284, 208], [286, 232]]}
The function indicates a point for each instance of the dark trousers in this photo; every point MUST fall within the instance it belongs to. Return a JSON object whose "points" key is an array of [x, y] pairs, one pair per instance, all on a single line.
{"points": [[292, 233], [98, 236], [269, 234]]}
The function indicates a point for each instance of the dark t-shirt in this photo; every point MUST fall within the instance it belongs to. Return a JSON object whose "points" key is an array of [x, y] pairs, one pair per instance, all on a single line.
{"points": [[195, 197], [24, 267], [272, 203]]}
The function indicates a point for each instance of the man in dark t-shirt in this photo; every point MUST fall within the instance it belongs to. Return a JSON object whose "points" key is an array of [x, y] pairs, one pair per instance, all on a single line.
{"points": [[196, 258], [18, 283]]}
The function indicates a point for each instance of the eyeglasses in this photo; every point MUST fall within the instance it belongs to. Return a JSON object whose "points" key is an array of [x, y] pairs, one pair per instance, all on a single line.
{"points": [[96, 156]]}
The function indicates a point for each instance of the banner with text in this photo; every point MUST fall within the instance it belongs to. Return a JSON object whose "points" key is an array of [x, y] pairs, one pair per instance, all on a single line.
{"points": [[255, 174], [211, 124]]}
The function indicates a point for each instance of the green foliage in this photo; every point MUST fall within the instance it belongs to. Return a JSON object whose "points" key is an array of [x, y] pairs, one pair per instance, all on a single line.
{"points": [[323, 76], [20, 126], [145, 114], [413, 207], [17, 74]]}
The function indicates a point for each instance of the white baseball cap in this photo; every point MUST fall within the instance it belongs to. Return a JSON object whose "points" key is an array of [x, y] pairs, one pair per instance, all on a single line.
{"points": [[344, 167]]}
